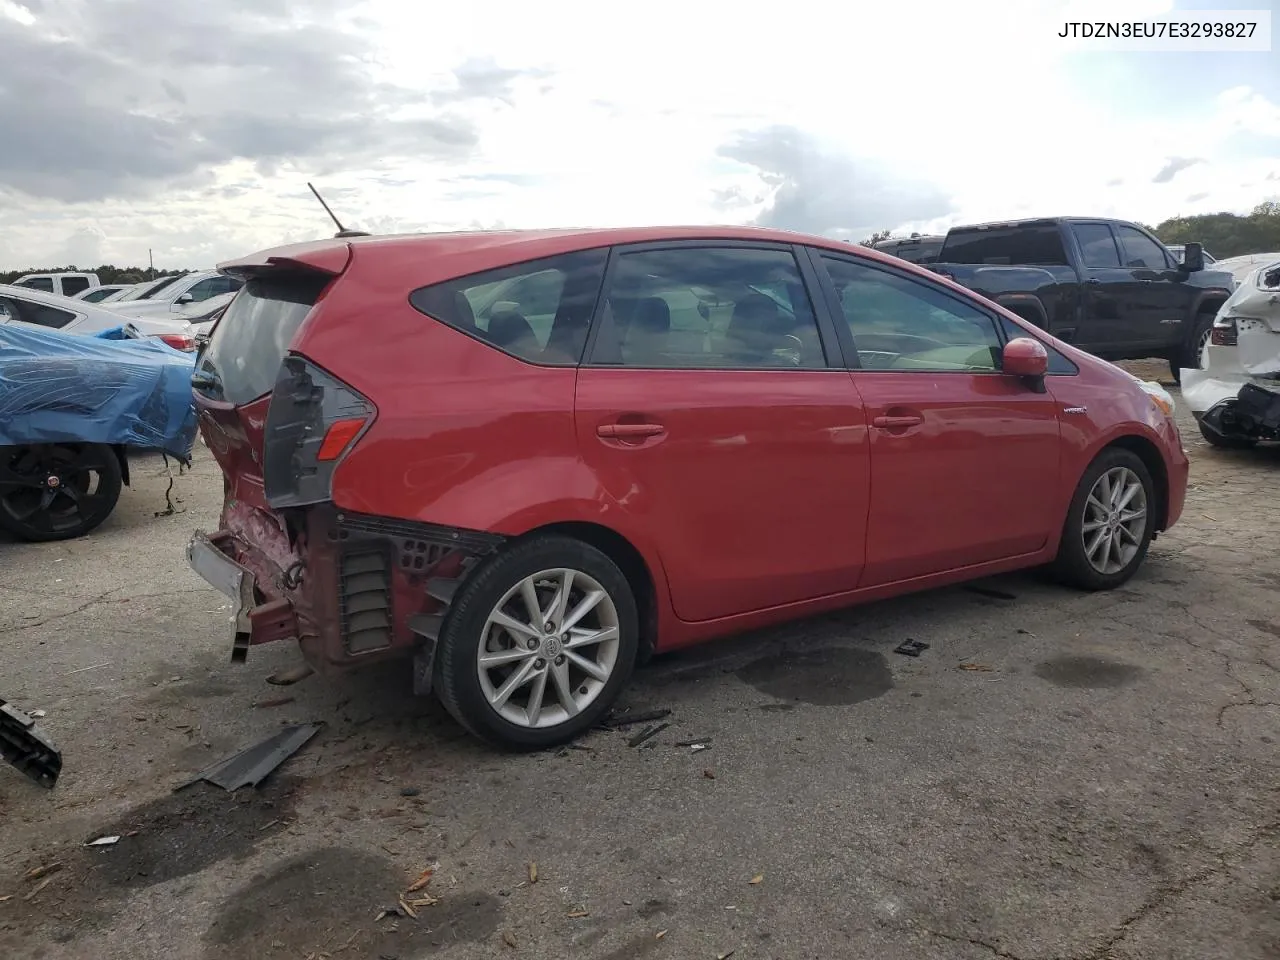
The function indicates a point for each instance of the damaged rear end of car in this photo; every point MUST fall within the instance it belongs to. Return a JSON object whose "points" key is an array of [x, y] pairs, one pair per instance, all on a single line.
{"points": [[348, 588], [1236, 397]]}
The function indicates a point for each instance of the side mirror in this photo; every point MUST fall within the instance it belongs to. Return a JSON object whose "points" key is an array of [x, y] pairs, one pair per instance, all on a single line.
{"points": [[1026, 358], [185, 299], [1193, 258]]}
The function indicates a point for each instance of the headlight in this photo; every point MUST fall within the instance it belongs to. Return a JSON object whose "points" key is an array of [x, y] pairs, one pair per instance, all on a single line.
{"points": [[1159, 396]]}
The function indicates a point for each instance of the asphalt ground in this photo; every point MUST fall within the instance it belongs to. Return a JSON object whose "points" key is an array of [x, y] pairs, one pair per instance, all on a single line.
{"points": [[1058, 775]]}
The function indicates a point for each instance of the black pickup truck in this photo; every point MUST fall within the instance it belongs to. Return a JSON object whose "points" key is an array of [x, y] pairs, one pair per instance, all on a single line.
{"points": [[1106, 286]]}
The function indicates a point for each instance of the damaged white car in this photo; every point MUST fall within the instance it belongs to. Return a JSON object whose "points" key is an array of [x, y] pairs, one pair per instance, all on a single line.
{"points": [[1235, 397]]}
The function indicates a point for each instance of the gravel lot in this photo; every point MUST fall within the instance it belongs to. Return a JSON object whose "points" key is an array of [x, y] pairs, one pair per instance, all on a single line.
{"points": [[1058, 775]]}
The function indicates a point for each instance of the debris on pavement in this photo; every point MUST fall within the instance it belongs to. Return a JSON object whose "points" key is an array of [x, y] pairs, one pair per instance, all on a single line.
{"points": [[533, 871], [660, 934], [103, 842], [616, 721], [423, 879], [725, 956], [284, 678], [277, 702], [578, 914], [647, 734], [407, 909], [695, 742], [976, 667], [756, 880], [35, 891], [45, 870], [25, 748], [37, 714], [911, 648], [709, 774], [252, 765], [509, 939], [409, 791]]}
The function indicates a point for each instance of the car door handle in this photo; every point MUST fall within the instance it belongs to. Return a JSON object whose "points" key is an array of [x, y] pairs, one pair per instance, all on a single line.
{"points": [[898, 423], [629, 431], [1093, 280]]}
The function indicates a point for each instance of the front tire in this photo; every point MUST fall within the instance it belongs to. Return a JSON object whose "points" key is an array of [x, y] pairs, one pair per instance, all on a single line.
{"points": [[1191, 355], [57, 491], [1109, 524], [537, 644]]}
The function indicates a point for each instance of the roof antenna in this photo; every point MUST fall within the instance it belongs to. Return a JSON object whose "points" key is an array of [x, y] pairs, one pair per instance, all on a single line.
{"points": [[343, 232]]}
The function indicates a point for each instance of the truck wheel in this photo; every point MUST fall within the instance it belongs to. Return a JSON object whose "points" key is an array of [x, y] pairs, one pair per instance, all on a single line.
{"points": [[1192, 353], [1226, 443], [538, 644], [1109, 523], [57, 491]]}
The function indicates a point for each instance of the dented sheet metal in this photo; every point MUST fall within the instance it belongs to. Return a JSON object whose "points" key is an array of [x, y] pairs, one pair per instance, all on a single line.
{"points": [[56, 388], [1252, 316]]}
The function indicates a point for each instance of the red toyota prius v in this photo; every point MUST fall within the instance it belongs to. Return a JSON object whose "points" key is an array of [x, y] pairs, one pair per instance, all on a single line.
{"points": [[524, 461]]}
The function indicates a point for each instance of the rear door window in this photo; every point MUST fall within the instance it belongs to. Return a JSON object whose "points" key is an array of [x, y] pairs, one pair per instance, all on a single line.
{"points": [[243, 356], [707, 307], [1014, 245], [539, 310], [73, 285]]}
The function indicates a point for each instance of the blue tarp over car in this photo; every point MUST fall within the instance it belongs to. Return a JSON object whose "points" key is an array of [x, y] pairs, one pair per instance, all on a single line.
{"points": [[56, 388]]}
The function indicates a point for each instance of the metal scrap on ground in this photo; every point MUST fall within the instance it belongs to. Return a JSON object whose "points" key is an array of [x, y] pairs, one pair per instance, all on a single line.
{"points": [[27, 749], [252, 765]]}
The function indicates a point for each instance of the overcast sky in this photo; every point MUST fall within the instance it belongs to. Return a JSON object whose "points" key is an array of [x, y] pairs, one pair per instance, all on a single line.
{"points": [[192, 126]]}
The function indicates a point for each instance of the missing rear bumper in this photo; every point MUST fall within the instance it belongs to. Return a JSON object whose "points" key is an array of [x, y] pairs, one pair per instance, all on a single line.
{"points": [[252, 623]]}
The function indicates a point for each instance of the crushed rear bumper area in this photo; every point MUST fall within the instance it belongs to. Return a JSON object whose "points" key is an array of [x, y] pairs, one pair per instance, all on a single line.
{"points": [[348, 588]]}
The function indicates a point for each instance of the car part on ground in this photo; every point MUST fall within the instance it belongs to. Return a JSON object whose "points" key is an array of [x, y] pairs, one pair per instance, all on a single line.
{"points": [[23, 746], [69, 408], [1232, 396], [252, 765], [528, 460]]}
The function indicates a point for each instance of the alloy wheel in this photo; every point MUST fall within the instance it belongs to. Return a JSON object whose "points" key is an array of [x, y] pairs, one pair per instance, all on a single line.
{"points": [[1115, 520], [49, 491], [548, 648]]}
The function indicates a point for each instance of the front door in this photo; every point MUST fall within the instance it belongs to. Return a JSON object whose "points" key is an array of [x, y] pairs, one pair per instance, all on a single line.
{"points": [[964, 460], [709, 413]]}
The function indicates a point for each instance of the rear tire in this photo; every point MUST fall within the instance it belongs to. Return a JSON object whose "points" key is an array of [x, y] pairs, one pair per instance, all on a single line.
{"points": [[1192, 352], [57, 491], [1104, 540], [494, 660]]}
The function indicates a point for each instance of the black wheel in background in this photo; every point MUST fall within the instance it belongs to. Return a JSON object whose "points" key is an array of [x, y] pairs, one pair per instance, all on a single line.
{"points": [[57, 491]]}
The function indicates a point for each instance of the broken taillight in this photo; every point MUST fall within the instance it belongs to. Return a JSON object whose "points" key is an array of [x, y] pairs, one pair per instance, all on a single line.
{"points": [[1224, 332], [313, 420]]}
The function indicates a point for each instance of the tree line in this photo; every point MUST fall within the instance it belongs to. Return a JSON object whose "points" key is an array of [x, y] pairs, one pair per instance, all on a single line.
{"points": [[1222, 234], [107, 273]]}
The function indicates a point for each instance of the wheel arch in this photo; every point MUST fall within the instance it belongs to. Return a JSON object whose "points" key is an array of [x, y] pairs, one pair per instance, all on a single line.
{"points": [[630, 561], [122, 455]]}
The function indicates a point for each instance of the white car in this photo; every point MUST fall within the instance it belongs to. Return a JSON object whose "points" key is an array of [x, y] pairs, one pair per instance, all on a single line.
{"points": [[103, 293], [65, 284], [31, 308], [1235, 397], [1241, 267], [176, 294], [202, 316]]}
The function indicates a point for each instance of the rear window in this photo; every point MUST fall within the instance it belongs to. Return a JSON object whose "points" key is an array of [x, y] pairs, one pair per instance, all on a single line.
{"points": [[913, 251], [243, 356], [1038, 245], [538, 311]]}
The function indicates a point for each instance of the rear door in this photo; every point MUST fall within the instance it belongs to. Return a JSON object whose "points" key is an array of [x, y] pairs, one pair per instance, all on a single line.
{"points": [[708, 410], [964, 460]]}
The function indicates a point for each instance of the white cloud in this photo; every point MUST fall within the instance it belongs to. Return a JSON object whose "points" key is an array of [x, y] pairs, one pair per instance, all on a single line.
{"points": [[913, 116]]}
